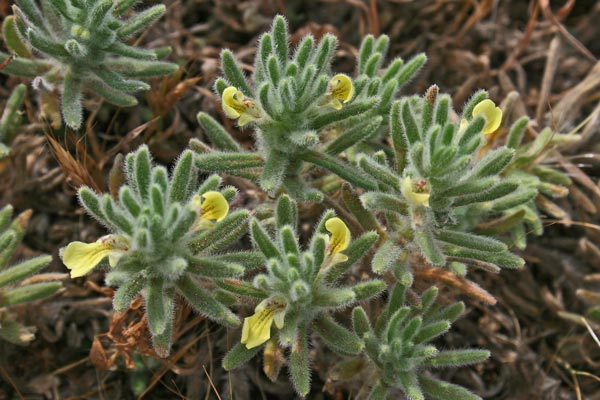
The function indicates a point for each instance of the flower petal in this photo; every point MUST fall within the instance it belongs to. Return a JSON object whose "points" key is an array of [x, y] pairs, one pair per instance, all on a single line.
{"points": [[340, 235], [409, 192], [279, 318], [257, 328], [214, 206], [232, 102], [492, 114], [81, 257], [342, 87]]}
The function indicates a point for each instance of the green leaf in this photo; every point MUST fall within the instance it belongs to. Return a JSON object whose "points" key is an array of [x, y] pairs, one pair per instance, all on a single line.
{"points": [[205, 304], [127, 292], [431, 331], [360, 321], [274, 171], [334, 297], [71, 101], [504, 259], [12, 38], [155, 307], [502, 194], [28, 293], [228, 230], [211, 268], [410, 385], [385, 256], [304, 51], [431, 250], [288, 241], [368, 289], [516, 133], [218, 136], [381, 173], [512, 200], [456, 358], [224, 162], [133, 68], [299, 362], [262, 240], [340, 168], [355, 134], [23, 269], [279, 34], [379, 392], [477, 98], [182, 178], [493, 162], [241, 288], [357, 248], [357, 107], [439, 390], [476, 242], [336, 337], [239, 355], [31, 11], [111, 95], [249, 259], [233, 73], [141, 21], [409, 70], [162, 342]]}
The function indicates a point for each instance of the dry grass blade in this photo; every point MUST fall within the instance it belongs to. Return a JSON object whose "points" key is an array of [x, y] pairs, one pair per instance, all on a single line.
{"points": [[545, 5], [469, 288], [74, 170]]}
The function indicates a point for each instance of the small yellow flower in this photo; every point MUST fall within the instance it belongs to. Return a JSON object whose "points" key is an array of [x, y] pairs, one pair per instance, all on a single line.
{"points": [[492, 114], [236, 106], [340, 239], [420, 196], [214, 207], [257, 328], [340, 90], [81, 257]]}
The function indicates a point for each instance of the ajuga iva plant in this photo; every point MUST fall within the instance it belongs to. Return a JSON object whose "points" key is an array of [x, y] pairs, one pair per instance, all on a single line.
{"points": [[531, 169], [10, 121], [302, 112], [400, 351], [16, 285], [79, 46], [168, 238], [299, 291], [437, 185]]}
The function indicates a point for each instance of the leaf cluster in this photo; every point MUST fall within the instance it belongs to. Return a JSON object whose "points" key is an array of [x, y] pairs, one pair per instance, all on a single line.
{"points": [[292, 91], [81, 46], [16, 285], [170, 254]]}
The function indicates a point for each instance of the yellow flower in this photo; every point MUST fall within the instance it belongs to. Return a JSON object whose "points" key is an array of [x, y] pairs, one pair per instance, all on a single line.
{"points": [[420, 196], [81, 257], [214, 207], [340, 238], [236, 106], [340, 90], [257, 328], [492, 114]]}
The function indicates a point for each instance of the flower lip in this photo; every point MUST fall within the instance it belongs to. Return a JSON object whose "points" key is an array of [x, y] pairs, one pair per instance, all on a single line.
{"points": [[493, 115], [236, 106], [214, 206], [257, 328], [341, 90], [340, 239], [416, 191], [82, 257]]}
